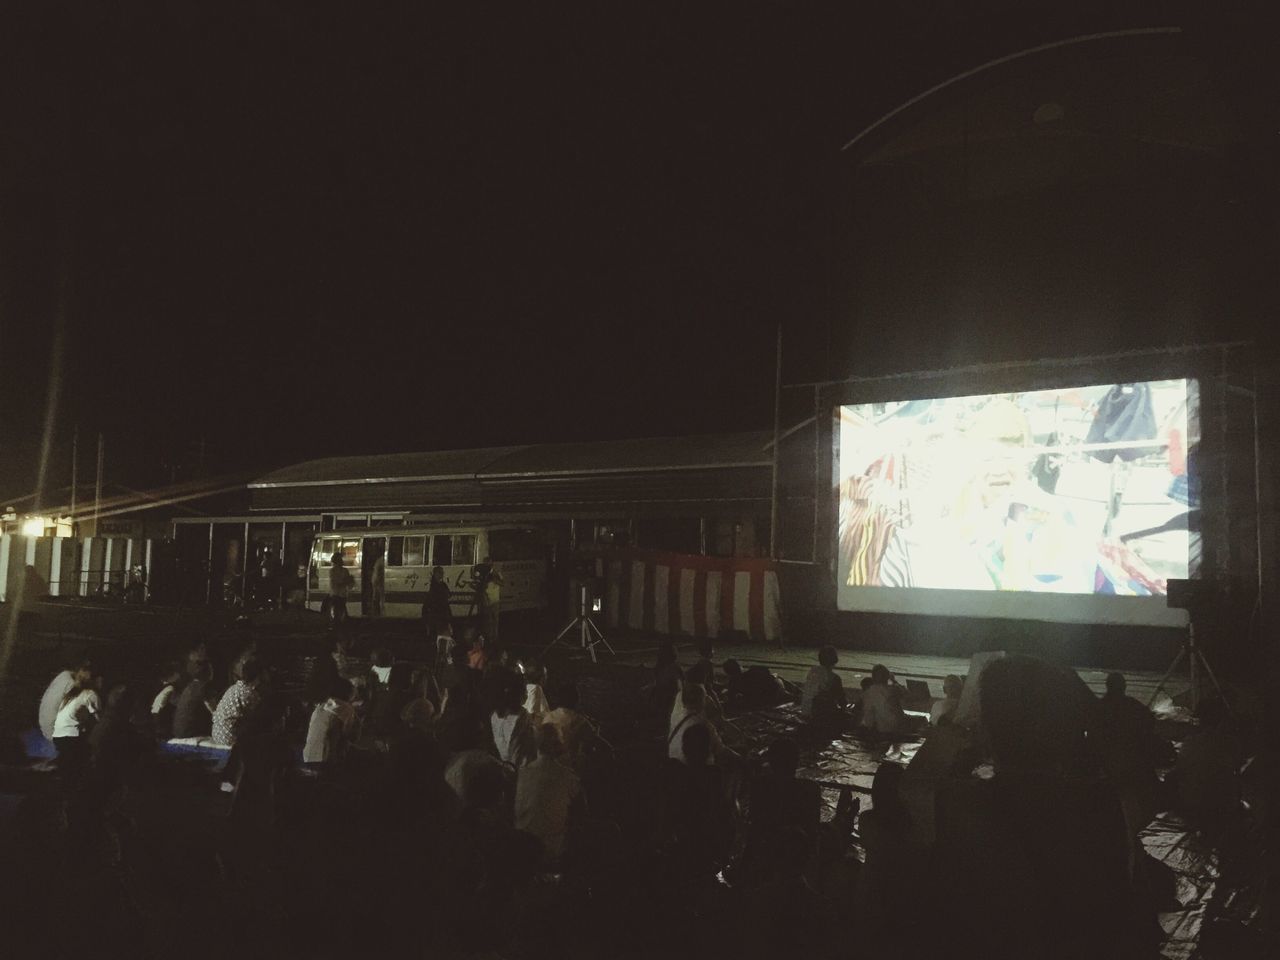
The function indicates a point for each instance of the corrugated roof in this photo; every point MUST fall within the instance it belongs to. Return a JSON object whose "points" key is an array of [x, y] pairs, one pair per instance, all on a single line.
{"points": [[435, 465], [714, 451], [499, 464]]}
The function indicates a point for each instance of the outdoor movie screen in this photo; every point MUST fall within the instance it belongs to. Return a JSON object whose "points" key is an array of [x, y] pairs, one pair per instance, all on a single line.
{"points": [[1075, 504]]}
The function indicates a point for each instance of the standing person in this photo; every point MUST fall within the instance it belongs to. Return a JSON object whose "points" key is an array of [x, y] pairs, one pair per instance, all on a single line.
{"points": [[80, 673], [489, 599], [436, 610], [76, 714], [378, 585], [339, 588]]}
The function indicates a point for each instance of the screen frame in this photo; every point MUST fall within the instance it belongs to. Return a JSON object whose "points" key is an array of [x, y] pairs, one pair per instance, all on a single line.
{"points": [[1026, 377]]}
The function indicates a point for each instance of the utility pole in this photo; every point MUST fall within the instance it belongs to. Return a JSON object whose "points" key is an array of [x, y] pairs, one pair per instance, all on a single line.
{"points": [[777, 436], [97, 486], [75, 475]]}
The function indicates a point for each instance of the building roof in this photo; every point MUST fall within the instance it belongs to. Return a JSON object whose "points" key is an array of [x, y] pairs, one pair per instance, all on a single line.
{"points": [[613, 472], [717, 451]]}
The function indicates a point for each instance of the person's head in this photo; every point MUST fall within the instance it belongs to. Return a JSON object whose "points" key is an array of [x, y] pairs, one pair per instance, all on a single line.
{"points": [[458, 655], [341, 689], [202, 670], [705, 649], [880, 674], [694, 697], [732, 668], [336, 559], [1115, 684], [866, 683], [783, 757], [445, 629], [381, 656], [828, 657], [952, 687], [170, 673], [82, 672], [666, 653], [437, 574], [251, 670], [696, 744], [549, 743], [1035, 715]]}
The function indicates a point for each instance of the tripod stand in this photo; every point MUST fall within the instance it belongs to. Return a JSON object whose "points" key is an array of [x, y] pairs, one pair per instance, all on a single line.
{"points": [[1195, 656], [589, 635]]}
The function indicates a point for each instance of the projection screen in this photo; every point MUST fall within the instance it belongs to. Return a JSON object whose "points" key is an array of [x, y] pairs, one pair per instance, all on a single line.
{"points": [[1074, 504]]}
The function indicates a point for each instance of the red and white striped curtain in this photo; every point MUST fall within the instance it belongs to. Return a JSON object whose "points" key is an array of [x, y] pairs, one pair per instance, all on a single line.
{"points": [[681, 595]]}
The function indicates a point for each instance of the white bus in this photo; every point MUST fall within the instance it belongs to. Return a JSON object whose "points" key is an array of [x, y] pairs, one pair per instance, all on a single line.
{"points": [[519, 554]]}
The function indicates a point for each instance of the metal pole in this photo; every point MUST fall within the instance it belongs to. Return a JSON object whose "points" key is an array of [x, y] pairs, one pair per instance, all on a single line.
{"points": [[817, 466], [777, 431], [75, 475], [97, 486]]}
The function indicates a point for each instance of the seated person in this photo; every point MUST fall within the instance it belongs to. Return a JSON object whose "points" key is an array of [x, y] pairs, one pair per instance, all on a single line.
{"points": [[1206, 772], [385, 694], [952, 687], [577, 732], [882, 712], [333, 726], [695, 820], [691, 711], [165, 702], [700, 673], [535, 680], [511, 726], [822, 697], [240, 700], [782, 808], [547, 793], [754, 688], [419, 714], [193, 711]]}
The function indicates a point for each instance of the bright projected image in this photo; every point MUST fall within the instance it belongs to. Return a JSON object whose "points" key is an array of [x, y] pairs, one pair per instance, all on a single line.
{"points": [[1069, 504]]}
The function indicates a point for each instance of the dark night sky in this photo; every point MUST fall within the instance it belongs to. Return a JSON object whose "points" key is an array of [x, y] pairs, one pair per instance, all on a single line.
{"points": [[297, 230]]}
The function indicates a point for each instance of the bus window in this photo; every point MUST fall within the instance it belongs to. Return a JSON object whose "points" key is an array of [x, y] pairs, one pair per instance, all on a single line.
{"points": [[508, 545], [414, 551], [443, 555], [464, 549], [350, 553], [327, 548], [395, 551]]}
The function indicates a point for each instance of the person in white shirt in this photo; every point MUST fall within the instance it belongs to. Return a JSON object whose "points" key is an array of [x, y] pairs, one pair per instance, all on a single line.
{"points": [[822, 697], [535, 699], [79, 708], [882, 711], [547, 791], [952, 687], [80, 674], [691, 710], [332, 725], [510, 724]]}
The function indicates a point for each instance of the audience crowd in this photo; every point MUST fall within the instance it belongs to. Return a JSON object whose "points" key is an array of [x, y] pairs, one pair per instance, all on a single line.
{"points": [[468, 803]]}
